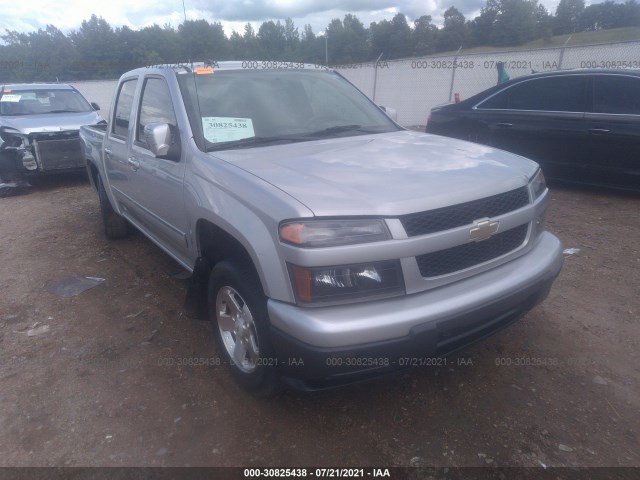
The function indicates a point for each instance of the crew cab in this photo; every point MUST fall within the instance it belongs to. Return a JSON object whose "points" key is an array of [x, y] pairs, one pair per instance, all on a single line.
{"points": [[331, 244], [39, 128]]}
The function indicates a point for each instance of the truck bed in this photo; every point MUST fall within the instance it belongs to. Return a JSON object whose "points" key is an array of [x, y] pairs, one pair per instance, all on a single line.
{"points": [[91, 137]]}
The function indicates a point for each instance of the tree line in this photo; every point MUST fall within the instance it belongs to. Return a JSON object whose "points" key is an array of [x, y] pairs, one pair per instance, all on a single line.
{"points": [[96, 50]]}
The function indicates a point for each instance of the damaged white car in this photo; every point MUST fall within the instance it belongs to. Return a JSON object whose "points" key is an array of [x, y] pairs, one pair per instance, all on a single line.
{"points": [[39, 126]]}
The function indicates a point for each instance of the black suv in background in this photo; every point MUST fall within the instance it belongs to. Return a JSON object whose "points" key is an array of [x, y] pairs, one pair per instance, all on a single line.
{"points": [[581, 126]]}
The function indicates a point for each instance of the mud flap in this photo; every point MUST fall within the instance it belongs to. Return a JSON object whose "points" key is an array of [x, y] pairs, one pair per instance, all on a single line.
{"points": [[195, 303]]}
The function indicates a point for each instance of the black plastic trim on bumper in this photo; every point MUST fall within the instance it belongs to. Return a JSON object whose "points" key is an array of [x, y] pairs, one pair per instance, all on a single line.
{"points": [[306, 367]]}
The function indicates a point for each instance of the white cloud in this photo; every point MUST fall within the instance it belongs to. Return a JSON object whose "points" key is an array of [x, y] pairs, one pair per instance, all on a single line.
{"points": [[67, 15]]}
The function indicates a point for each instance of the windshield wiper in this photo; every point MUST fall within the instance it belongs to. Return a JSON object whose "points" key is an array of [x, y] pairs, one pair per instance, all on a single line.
{"points": [[341, 129], [254, 141]]}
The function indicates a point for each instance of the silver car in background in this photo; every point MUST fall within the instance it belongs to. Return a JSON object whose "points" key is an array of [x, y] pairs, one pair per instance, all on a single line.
{"points": [[39, 125]]}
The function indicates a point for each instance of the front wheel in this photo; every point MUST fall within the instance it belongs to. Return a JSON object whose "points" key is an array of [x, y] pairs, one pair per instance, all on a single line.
{"points": [[238, 310]]}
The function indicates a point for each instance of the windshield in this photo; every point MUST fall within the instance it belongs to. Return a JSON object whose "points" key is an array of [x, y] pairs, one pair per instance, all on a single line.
{"points": [[241, 109], [40, 101]]}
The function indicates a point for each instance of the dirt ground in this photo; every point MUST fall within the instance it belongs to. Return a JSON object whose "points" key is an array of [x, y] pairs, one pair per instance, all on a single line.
{"points": [[113, 376]]}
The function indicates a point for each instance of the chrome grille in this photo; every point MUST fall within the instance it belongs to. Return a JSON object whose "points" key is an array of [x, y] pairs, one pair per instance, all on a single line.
{"points": [[464, 213], [464, 256]]}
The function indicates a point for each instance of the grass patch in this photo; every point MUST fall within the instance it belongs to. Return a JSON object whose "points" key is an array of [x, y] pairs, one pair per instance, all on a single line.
{"points": [[613, 35]]}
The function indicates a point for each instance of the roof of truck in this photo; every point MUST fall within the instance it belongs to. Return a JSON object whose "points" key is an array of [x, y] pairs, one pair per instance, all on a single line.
{"points": [[211, 66]]}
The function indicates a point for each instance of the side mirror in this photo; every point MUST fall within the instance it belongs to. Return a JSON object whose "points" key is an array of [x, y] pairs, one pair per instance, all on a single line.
{"points": [[391, 112], [95, 106], [158, 138]]}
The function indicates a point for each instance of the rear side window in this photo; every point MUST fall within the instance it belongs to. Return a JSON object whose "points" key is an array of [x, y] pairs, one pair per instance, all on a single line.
{"points": [[124, 105], [554, 94], [156, 106], [616, 94]]}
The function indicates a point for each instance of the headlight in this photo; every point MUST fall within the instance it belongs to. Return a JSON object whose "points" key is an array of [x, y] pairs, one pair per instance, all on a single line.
{"points": [[538, 184], [322, 285], [329, 233], [12, 138], [538, 187]]}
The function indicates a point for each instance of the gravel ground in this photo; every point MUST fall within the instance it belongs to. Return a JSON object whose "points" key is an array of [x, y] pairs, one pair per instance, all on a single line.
{"points": [[104, 378]]}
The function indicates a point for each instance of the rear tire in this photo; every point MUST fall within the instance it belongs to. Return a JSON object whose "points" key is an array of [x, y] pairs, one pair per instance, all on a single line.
{"points": [[238, 312], [115, 225]]}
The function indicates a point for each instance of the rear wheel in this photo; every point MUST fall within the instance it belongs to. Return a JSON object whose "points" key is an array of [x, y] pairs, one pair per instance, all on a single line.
{"points": [[115, 225], [238, 310]]}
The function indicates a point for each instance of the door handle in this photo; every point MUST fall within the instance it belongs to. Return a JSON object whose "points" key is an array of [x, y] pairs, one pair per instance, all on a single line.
{"points": [[504, 125], [135, 164], [599, 131]]}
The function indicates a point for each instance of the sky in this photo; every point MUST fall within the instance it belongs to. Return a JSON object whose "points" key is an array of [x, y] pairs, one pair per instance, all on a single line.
{"points": [[67, 15]]}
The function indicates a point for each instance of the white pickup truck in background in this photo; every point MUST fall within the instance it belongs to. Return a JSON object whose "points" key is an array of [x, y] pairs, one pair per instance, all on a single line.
{"points": [[332, 245]]}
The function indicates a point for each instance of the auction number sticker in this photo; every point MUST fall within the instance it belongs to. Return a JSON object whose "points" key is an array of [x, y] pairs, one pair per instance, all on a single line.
{"points": [[226, 129], [12, 97]]}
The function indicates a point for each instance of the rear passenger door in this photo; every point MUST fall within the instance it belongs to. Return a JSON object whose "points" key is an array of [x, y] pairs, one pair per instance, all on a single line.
{"points": [[116, 145], [156, 189], [613, 124]]}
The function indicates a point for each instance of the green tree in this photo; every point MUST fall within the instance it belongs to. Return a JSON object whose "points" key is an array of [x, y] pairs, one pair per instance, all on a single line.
{"points": [[346, 40], [48, 53], [511, 22], [516, 23], [202, 41], [391, 38], [292, 40], [251, 45], [236, 46], [272, 40], [162, 40], [632, 13], [482, 26], [610, 15], [567, 19], [312, 47], [424, 36], [455, 32], [94, 42], [544, 23]]}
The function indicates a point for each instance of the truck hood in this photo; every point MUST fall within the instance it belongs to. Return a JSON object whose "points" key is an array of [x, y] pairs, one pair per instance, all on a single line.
{"points": [[384, 174], [49, 122]]}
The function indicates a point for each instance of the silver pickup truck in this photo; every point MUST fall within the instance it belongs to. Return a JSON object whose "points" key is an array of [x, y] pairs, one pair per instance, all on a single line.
{"points": [[331, 244], [39, 125]]}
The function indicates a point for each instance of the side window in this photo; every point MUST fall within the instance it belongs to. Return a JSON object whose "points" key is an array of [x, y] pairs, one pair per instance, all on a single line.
{"points": [[124, 104], [498, 101], [616, 94], [555, 94], [156, 107]]}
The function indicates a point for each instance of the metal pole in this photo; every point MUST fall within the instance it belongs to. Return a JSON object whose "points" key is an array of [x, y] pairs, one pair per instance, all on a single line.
{"points": [[375, 77], [184, 10], [564, 45], [326, 50], [453, 72]]}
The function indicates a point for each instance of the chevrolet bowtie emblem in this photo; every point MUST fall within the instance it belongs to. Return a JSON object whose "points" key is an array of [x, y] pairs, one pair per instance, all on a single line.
{"points": [[483, 229]]}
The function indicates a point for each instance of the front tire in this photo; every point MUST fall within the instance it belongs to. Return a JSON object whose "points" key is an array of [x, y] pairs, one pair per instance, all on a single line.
{"points": [[238, 311], [115, 225]]}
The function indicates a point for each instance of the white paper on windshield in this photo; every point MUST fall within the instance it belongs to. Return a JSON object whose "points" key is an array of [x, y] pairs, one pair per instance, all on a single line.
{"points": [[10, 97], [226, 129]]}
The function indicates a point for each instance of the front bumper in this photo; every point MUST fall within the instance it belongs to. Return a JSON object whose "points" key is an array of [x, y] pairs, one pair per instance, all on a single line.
{"points": [[320, 347], [43, 153]]}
